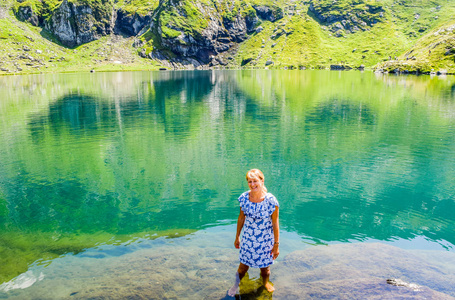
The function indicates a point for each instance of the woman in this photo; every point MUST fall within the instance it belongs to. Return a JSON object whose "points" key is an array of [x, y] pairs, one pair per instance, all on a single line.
{"points": [[259, 220]]}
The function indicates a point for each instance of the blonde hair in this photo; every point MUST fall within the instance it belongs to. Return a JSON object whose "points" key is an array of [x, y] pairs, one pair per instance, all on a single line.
{"points": [[256, 174]]}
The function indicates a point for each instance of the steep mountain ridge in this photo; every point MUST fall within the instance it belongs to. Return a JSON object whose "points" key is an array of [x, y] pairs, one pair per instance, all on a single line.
{"points": [[213, 33]]}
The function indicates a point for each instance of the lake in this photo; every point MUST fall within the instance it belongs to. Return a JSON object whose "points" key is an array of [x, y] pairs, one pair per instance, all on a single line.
{"points": [[125, 185]]}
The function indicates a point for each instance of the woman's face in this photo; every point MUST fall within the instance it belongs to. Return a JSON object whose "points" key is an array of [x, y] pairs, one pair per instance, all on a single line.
{"points": [[255, 184]]}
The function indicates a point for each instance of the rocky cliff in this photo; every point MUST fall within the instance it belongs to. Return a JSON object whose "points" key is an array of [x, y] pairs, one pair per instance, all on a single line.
{"points": [[196, 33], [75, 24], [208, 33], [187, 32]]}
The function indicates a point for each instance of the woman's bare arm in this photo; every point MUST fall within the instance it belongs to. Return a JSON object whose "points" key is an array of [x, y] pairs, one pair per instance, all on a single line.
{"points": [[276, 232], [240, 222]]}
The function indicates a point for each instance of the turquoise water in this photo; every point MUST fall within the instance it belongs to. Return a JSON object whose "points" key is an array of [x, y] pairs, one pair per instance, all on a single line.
{"points": [[102, 163]]}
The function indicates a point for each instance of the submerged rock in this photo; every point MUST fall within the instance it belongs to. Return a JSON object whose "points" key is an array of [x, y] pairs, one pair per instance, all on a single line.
{"points": [[399, 282], [345, 271], [360, 271]]}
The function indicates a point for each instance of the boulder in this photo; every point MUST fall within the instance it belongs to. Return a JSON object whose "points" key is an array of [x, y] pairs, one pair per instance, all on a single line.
{"points": [[365, 271], [340, 67], [450, 51], [270, 13], [26, 14]]}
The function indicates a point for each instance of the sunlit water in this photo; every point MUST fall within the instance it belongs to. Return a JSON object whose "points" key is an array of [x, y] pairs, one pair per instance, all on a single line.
{"points": [[119, 185]]}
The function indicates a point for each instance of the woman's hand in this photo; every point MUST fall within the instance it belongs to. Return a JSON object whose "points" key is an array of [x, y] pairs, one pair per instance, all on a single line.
{"points": [[237, 243], [275, 251], [240, 222]]}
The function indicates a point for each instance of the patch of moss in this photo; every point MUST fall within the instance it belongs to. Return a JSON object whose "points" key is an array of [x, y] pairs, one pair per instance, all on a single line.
{"points": [[101, 10], [150, 42], [365, 11], [35, 5], [140, 7]]}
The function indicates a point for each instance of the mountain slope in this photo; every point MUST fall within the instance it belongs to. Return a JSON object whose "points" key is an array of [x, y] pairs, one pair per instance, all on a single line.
{"points": [[81, 35], [434, 52]]}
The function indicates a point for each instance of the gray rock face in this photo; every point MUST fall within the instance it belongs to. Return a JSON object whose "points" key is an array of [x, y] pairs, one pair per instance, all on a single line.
{"points": [[200, 48], [130, 24], [26, 14], [269, 13], [75, 24], [212, 33]]}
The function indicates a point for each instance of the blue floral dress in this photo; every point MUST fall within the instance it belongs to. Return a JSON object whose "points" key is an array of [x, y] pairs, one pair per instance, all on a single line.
{"points": [[257, 239]]}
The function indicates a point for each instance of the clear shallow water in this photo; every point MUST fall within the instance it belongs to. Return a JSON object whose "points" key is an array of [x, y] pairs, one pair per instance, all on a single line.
{"points": [[113, 158]]}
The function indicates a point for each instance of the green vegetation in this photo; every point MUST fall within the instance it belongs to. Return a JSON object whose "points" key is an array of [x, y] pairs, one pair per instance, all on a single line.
{"points": [[346, 32], [46, 55], [432, 53], [141, 7], [35, 5], [366, 11], [301, 40], [182, 16]]}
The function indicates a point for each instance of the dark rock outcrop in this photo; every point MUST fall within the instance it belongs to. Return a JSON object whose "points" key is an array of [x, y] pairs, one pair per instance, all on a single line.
{"points": [[26, 14], [76, 24], [131, 24], [215, 32], [184, 32], [269, 13], [340, 67]]}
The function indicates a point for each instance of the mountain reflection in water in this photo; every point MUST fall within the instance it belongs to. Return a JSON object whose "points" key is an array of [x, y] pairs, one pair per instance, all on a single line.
{"points": [[90, 159]]}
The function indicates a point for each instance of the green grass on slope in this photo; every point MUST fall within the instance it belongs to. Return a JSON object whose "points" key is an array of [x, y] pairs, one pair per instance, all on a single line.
{"points": [[296, 40], [28, 49], [299, 40], [433, 52], [418, 17], [141, 7], [428, 25]]}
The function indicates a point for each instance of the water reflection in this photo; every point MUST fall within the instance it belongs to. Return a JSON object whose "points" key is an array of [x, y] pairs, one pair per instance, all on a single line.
{"points": [[351, 156]]}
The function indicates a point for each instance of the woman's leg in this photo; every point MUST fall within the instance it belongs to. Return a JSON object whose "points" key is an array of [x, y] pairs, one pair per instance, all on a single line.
{"points": [[241, 271], [265, 274]]}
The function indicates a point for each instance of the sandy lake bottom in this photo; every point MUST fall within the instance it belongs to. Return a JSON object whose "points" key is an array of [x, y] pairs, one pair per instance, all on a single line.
{"points": [[202, 266]]}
